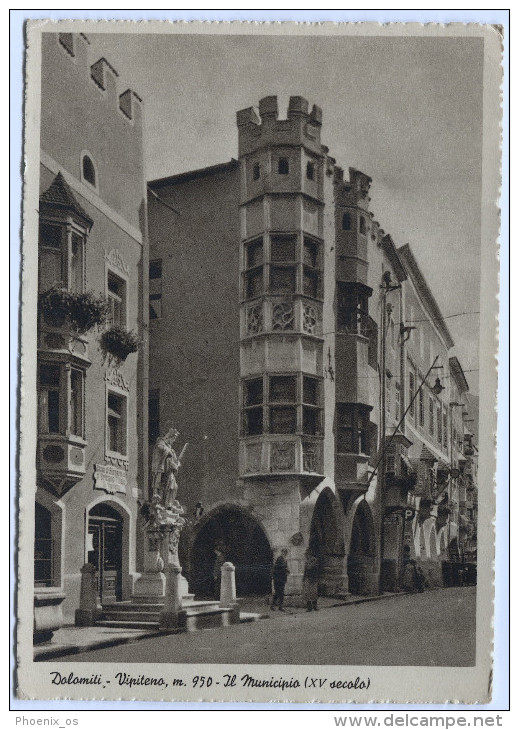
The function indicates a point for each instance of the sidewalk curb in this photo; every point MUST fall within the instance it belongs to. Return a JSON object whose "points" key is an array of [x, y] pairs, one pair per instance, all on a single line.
{"points": [[60, 651]]}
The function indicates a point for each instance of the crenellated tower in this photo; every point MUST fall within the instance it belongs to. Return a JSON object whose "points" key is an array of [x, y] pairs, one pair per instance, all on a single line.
{"points": [[281, 263]]}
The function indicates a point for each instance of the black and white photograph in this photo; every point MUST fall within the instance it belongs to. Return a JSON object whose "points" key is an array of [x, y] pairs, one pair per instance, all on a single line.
{"points": [[258, 362]]}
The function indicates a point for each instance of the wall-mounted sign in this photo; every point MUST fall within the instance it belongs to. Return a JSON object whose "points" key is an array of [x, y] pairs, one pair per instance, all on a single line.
{"points": [[111, 479]]}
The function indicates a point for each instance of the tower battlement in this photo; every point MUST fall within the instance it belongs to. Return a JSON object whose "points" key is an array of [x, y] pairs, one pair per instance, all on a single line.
{"points": [[264, 128], [352, 192], [103, 74]]}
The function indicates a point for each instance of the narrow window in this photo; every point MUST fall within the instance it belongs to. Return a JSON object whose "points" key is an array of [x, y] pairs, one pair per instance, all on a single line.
{"points": [[346, 222], [253, 280], [283, 248], [373, 343], [439, 422], [310, 170], [362, 225], [77, 403], [116, 423], [282, 392], [155, 294], [421, 407], [153, 415], [76, 263], [397, 401], [253, 407], [49, 396], [52, 244], [256, 171], [116, 300], [431, 415], [311, 253], [311, 406], [445, 428], [411, 394], [388, 397], [283, 167], [89, 173]]}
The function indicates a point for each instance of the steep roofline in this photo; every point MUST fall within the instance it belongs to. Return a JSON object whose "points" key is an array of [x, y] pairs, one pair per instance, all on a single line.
{"points": [[392, 254], [182, 177], [458, 374], [425, 294]]}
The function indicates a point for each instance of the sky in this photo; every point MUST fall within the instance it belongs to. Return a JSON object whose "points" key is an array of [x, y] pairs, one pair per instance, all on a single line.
{"points": [[406, 111]]}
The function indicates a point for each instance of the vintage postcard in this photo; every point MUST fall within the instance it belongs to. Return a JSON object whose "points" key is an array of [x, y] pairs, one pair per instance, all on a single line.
{"points": [[258, 362]]}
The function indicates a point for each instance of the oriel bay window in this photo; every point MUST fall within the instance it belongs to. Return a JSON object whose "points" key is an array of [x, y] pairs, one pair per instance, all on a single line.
{"points": [[352, 308], [353, 428], [61, 257], [61, 399], [290, 268], [282, 404]]}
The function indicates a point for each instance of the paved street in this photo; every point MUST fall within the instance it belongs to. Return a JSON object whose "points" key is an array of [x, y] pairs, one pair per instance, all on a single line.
{"points": [[434, 629]]}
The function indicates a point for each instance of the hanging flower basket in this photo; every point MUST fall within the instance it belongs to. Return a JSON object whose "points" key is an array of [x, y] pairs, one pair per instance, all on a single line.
{"points": [[117, 343], [82, 311]]}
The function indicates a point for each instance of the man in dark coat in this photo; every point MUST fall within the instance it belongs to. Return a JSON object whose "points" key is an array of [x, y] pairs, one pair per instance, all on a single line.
{"points": [[279, 577]]}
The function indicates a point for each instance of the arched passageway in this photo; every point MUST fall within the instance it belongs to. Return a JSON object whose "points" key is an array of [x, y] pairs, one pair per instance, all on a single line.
{"points": [[241, 540], [362, 574], [327, 543]]}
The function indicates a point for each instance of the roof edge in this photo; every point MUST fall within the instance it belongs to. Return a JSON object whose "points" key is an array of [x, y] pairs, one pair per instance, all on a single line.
{"points": [[193, 174]]}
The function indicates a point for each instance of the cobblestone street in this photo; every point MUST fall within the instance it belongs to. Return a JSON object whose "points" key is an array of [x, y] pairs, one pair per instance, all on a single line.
{"points": [[436, 628]]}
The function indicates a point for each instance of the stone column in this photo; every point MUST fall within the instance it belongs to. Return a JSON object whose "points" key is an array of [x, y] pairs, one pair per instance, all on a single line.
{"points": [[88, 609], [228, 586]]}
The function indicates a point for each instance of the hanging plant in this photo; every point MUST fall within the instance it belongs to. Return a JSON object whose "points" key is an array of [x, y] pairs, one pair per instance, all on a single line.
{"points": [[116, 344], [82, 311]]}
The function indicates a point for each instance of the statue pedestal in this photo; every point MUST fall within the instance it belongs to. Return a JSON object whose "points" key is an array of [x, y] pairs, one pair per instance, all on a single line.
{"points": [[162, 577]]}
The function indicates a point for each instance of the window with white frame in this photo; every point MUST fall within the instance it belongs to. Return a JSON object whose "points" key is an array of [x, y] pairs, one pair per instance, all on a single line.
{"points": [[116, 292], [116, 414], [57, 413], [61, 258]]}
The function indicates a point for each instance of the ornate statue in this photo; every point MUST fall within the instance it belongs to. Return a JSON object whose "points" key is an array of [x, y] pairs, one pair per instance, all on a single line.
{"points": [[164, 467]]}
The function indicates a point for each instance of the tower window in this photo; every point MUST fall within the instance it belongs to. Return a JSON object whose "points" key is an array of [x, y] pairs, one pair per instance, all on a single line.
{"points": [[256, 171], [346, 222], [362, 225], [353, 428], [283, 167], [89, 173], [310, 170]]}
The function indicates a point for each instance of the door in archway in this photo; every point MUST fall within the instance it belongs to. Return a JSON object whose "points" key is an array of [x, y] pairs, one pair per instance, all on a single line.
{"points": [[105, 529], [362, 553], [242, 541]]}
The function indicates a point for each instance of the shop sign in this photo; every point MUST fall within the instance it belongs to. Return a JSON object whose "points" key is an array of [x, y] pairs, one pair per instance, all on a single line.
{"points": [[110, 478]]}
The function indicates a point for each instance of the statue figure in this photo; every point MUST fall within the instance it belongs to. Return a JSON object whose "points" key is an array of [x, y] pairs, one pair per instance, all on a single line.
{"points": [[164, 466]]}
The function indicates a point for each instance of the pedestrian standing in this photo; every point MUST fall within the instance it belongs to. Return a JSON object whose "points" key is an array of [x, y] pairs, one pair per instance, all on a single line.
{"points": [[310, 580], [279, 577], [217, 570]]}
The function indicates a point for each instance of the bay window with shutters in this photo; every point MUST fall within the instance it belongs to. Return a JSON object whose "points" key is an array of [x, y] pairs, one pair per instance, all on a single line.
{"points": [[282, 404]]}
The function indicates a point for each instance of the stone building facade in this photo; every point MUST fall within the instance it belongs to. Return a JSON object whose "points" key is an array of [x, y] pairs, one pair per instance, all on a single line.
{"points": [[92, 366], [282, 347]]}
